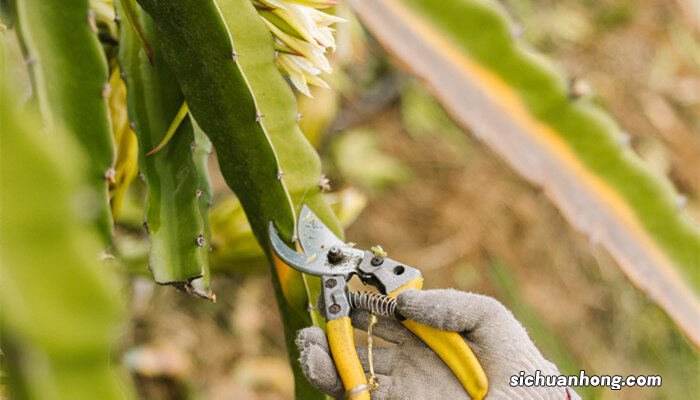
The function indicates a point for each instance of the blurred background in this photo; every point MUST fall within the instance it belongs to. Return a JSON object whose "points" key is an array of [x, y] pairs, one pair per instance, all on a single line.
{"points": [[405, 177]]}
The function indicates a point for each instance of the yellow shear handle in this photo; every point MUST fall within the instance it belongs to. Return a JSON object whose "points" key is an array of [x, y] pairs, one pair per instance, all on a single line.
{"points": [[342, 343], [451, 348]]}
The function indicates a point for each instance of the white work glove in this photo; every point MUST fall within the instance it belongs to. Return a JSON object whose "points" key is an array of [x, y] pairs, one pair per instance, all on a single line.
{"points": [[411, 370]]}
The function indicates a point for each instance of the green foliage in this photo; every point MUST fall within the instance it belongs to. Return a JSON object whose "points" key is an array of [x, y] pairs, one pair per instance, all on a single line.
{"points": [[173, 215], [360, 161], [423, 117], [59, 306], [234, 246], [69, 93]]}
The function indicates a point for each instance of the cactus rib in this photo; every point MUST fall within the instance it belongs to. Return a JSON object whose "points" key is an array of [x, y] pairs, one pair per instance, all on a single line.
{"points": [[59, 306], [175, 225], [71, 94]]}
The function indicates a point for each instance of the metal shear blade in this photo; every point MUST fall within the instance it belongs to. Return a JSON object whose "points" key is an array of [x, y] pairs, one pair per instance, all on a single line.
{"points": [[316, 240], [313, 234]]}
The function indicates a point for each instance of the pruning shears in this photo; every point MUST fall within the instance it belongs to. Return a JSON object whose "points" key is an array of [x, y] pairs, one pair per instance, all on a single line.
{"points": [[327, 256]]}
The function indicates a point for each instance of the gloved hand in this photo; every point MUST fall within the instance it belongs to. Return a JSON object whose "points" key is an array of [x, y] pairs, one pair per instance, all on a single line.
{"points": [[410, 369]]}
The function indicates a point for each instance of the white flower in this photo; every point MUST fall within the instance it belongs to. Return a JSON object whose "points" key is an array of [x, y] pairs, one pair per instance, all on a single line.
{"points": [[303, 36], [303, 48], [300, 71], [311, 24]]}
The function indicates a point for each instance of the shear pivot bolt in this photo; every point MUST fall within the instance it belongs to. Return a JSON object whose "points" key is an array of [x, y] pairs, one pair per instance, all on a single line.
{"points": [[334, 309], [335, 254], [330, 283], [376, 261]]}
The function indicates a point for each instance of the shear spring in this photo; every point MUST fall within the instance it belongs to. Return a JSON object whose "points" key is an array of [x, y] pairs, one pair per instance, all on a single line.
{"points": [[375, 303]]}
